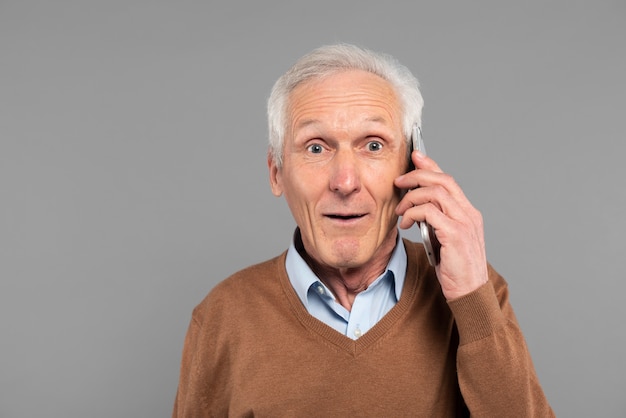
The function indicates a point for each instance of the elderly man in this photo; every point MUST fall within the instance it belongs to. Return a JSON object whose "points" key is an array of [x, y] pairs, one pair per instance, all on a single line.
{"points": [[352, 320]]}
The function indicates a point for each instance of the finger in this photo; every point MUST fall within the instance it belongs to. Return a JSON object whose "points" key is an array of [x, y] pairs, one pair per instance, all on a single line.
{"points": [[423, 164], [458, 233], [438, 197], [425, 213], [438, 188], [424, 179], [421, 160], [416, 197]]}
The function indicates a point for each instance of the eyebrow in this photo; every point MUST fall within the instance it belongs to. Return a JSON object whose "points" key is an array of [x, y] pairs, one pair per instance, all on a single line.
{"points": [[308, 122], [378, 119]]}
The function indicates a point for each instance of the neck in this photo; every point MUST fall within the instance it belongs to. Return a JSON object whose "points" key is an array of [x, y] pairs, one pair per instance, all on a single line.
{"points": [[346, 283]]}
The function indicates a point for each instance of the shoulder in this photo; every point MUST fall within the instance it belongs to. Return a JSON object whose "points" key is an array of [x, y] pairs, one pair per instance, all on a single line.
{"points": [[243, 287], [415, 252], [417, 263], [421, 281]]}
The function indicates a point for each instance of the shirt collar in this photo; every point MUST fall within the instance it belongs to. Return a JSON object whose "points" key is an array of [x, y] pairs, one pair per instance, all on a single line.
{"points": [[302, 277]]}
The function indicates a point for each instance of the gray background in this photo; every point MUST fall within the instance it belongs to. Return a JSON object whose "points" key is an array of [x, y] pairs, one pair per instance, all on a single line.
{"points": [[133, 177]]}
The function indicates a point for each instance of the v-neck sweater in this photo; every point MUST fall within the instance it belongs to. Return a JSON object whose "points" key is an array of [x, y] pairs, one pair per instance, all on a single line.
{"points": [[252, 349]]}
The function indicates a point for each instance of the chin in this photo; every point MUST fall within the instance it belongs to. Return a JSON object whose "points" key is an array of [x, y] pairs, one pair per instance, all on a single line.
{"points": [[349, 253]]}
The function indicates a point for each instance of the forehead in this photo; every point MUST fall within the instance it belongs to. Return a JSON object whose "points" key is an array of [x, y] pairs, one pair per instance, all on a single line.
{"points": [[345, 93]]}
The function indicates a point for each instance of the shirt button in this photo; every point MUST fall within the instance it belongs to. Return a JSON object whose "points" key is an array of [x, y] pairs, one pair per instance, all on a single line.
{"points": [[320, 289], [357, 333]]}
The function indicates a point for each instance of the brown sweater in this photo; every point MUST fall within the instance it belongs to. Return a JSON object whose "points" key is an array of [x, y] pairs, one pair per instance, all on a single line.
{"points": [[252, 349]]}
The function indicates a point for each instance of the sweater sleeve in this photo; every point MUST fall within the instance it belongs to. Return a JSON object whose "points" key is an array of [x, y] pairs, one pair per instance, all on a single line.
{"points": [[495, 370]]}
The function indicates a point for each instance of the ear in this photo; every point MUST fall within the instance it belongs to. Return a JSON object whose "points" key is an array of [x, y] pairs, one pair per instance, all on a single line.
{"points": [[276, 176]]}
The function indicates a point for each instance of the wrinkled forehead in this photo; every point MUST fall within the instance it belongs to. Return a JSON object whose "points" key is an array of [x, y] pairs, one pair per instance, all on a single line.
{"points": [[347, 91]]}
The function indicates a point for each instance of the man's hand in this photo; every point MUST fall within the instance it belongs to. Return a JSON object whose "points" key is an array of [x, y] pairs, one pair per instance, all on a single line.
{"points": [[436, 198]]}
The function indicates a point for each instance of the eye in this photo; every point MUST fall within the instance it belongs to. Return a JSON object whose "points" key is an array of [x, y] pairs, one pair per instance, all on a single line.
{"points": [[374, 146], [315, 148]]}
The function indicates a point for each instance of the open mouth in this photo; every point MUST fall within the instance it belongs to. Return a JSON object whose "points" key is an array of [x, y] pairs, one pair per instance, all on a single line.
{"points": [[345, 217]]}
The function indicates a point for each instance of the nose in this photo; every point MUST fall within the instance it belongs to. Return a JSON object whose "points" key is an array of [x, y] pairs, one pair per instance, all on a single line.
{"points": [[344, 177]]}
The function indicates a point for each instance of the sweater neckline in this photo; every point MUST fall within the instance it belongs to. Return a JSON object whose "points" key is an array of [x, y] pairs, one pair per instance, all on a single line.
{"points": [[332, 336]]}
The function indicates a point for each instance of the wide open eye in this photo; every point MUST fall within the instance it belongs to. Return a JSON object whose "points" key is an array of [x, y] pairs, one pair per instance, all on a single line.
{"points": [[315, 148], [374, 146]]}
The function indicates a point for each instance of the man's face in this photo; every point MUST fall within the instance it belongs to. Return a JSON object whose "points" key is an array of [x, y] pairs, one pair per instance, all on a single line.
{"points": [[343, 148]]}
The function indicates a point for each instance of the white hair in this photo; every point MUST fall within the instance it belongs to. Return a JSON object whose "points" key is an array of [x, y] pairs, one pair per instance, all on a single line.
{"points": [[329, 60]]}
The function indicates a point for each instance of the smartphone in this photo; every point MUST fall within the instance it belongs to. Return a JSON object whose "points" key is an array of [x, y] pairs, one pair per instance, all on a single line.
{"points": [[431, 243]]}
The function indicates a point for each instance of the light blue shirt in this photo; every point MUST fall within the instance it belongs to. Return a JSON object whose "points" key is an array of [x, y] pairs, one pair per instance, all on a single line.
{"points": [[369, 305]]}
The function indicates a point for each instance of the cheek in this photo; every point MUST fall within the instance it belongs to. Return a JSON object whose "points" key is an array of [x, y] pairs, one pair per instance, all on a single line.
{"points": [[300, 195], [383, 185]]}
